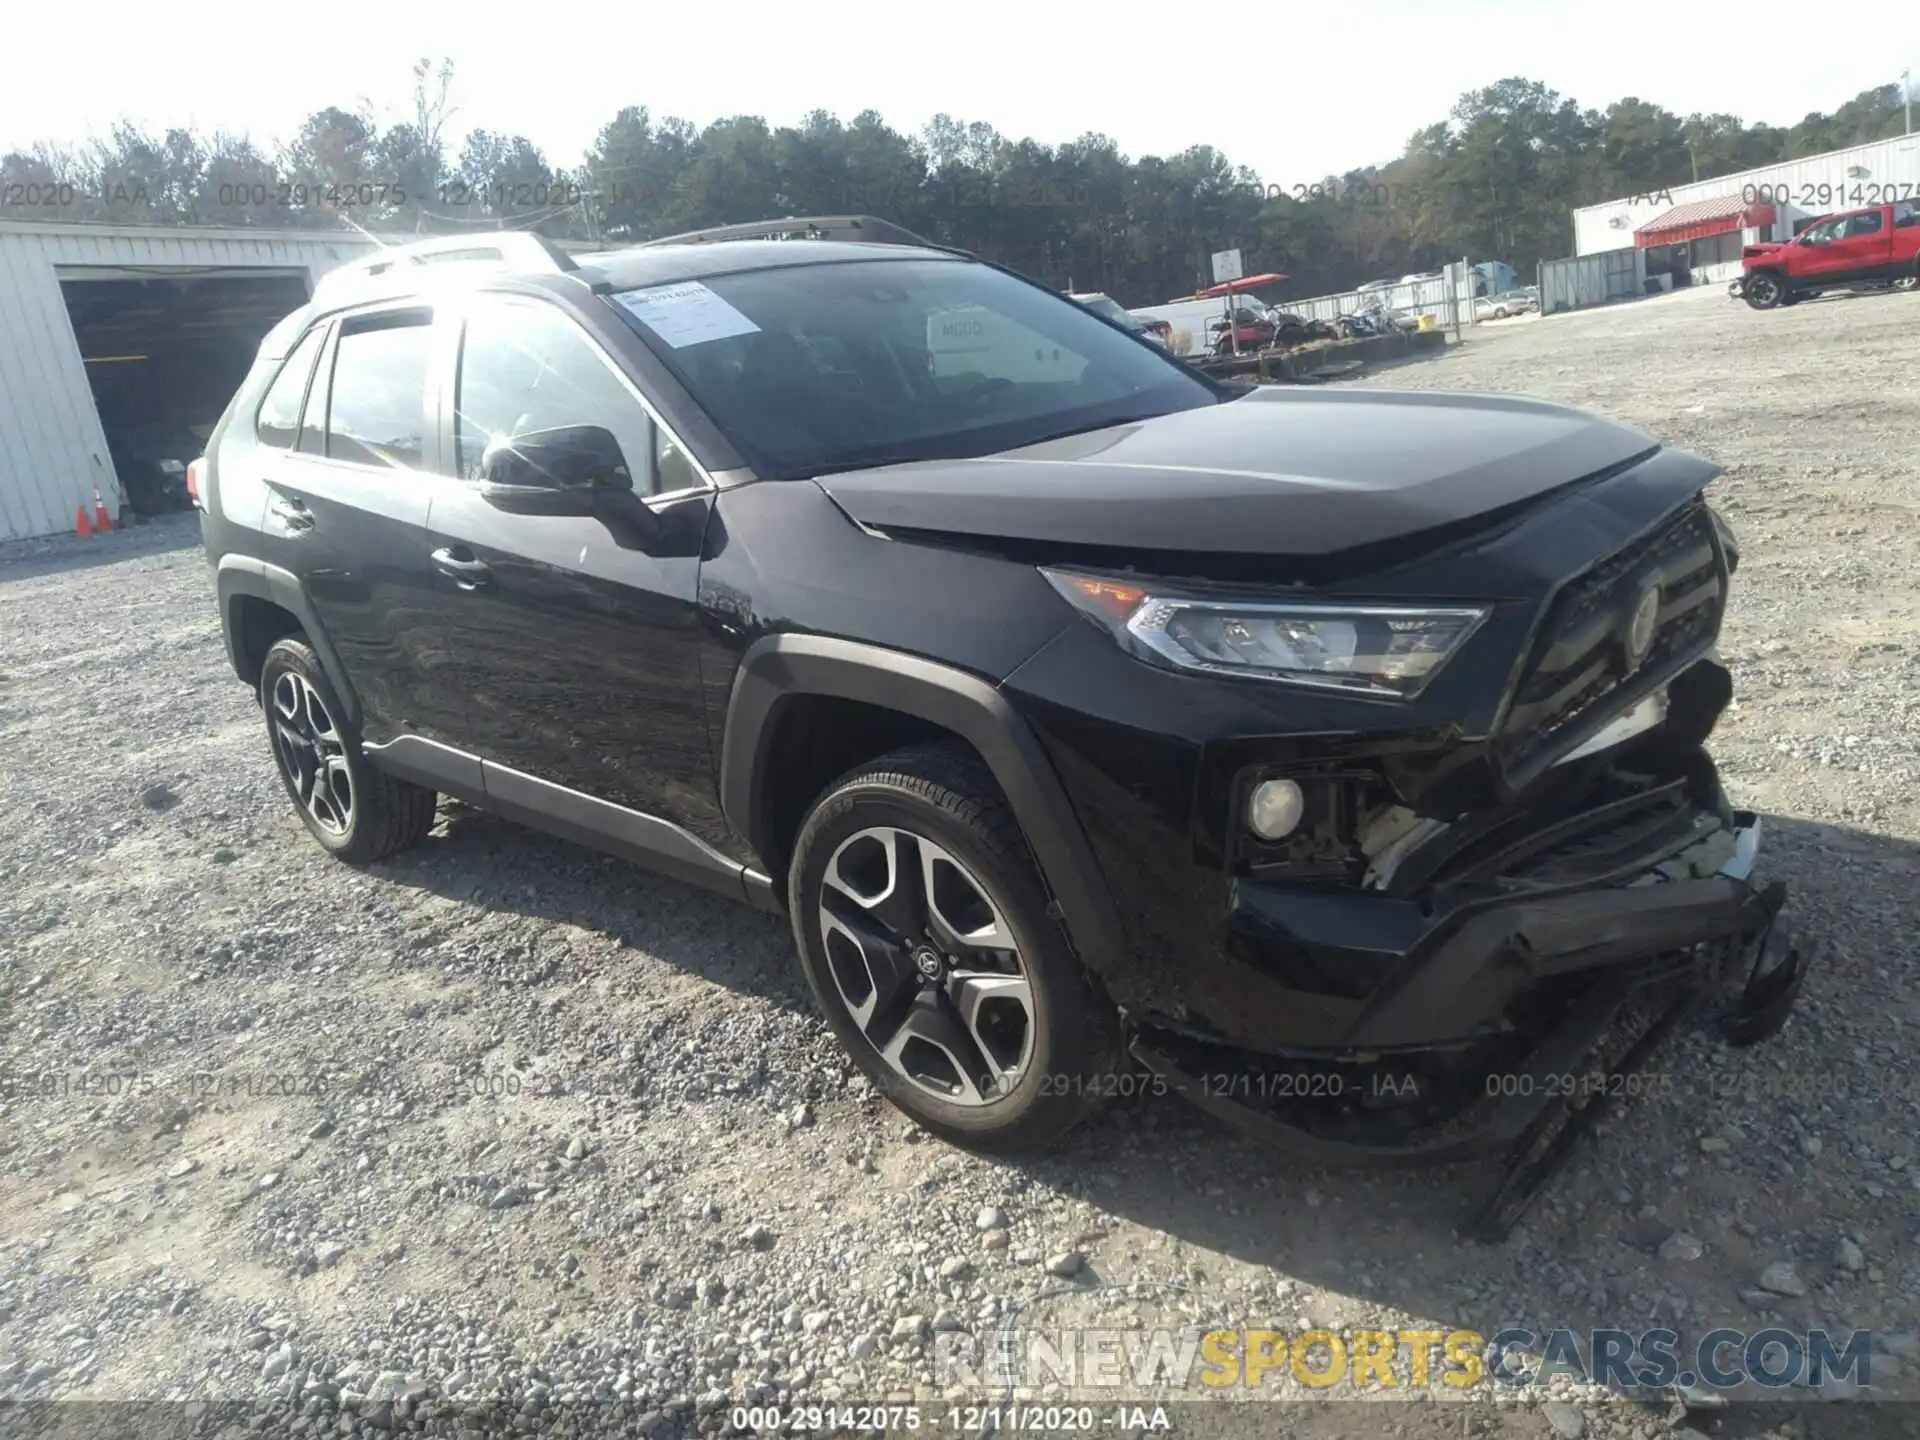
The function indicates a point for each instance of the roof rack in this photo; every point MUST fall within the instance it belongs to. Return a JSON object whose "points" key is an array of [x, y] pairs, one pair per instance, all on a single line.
{"points": [[804, 227], [518, 249]]}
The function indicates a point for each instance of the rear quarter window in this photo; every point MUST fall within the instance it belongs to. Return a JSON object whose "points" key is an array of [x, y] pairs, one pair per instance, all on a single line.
{"points": [[277, 422]]}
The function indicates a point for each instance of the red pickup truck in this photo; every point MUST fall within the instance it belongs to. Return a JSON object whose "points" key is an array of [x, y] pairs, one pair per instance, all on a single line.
{"points": [[1879, 244]]}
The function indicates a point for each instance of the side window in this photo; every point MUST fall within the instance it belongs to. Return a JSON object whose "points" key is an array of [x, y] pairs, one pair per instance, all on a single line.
{"points": [[1905, 215], [1824, 233], [1866, 223], [313, 421], [376, 409], [672, 469], [278, 420], [525, 366]]}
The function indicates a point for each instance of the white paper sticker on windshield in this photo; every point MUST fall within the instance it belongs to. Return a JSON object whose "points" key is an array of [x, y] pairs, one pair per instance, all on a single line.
{"points": [[685, 314]]}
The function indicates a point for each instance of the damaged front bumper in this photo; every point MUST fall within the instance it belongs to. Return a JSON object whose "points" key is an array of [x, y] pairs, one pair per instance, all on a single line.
{"points": [[1422, 1077]]}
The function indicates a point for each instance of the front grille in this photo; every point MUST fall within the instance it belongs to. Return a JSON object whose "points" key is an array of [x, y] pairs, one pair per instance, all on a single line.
{"points": [[1582, 652]]}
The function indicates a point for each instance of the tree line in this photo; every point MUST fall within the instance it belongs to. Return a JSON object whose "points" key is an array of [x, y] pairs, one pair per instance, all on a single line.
{"points": [[1495, 179]]}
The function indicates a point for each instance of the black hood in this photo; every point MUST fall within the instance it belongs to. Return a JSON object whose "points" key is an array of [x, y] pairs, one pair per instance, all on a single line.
{"points": [[1280, 471]]}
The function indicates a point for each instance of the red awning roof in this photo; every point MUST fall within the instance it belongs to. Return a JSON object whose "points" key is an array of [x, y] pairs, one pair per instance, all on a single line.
{"points": [[1701, 218], [1234, 287]]}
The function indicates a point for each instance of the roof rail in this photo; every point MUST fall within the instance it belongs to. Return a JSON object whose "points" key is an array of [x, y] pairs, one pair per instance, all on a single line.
{"points": [[804, 227], [519, 249]]}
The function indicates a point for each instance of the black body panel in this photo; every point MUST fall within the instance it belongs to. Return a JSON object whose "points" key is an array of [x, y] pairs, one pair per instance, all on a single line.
{"points": [[1278, 472], [580, 656]]}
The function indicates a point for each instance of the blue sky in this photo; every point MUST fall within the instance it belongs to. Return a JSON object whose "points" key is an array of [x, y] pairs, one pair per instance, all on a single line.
{"points": [[1349, 81]]}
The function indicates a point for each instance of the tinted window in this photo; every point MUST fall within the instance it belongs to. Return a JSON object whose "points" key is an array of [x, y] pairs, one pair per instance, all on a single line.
{"points": [[376, 410], [313, 421], [1905, 214], [279, 416], [818, 367], [525, 367], [1865, 224]]}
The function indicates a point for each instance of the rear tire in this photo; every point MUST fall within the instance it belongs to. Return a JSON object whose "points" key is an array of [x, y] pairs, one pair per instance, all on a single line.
{"points": [[358, 813], [922, 926]]}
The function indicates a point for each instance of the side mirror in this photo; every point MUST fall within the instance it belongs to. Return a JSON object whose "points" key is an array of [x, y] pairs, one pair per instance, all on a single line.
{"points": [[563, 471]]}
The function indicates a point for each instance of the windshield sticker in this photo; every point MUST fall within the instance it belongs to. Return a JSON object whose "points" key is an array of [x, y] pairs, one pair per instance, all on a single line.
{"points": [[685, 314]]}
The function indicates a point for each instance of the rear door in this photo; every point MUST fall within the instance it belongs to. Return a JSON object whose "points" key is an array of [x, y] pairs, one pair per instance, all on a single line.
{"points": [[346, 514], [575, 637], [1906, 236]]}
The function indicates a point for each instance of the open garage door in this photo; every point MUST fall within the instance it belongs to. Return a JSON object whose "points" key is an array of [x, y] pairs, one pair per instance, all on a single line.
{"points": [[165, 348]]}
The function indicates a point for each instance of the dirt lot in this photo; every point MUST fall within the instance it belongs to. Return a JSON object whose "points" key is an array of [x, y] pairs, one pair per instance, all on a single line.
{"points": [[502, 1121]]}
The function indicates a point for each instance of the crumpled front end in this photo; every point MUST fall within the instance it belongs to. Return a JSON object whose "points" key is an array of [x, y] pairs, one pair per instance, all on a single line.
{"points": [[1493, 902], [1512, 997]]}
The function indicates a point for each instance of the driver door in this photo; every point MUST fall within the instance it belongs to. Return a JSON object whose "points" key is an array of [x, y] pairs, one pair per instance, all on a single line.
{"points": [[574, 637], [1819, 254]]}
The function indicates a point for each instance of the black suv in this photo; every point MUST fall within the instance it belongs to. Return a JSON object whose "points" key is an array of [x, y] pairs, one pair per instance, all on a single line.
{"points": [[1333, 757]]}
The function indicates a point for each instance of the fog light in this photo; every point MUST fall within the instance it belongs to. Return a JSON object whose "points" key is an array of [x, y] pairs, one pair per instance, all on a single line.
{"points": [[1275, 808]]}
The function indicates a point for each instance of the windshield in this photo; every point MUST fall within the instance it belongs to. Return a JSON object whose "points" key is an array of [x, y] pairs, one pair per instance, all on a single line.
{"points": [[823, 367]]}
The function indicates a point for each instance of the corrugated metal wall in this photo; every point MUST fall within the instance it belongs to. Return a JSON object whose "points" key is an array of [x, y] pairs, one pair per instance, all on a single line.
{"points": [[1584, 280], [52, 450], [1892, 172]]}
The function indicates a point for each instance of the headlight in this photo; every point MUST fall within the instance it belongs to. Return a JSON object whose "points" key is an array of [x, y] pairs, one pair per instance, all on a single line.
{"points": [[1727, 541], [1363, 649]]}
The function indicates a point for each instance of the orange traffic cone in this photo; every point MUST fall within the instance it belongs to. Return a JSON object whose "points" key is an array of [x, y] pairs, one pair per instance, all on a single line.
{"points": [[80, 525], [101, 520]]}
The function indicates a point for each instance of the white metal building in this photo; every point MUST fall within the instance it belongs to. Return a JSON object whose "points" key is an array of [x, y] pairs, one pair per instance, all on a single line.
{"points": [[1712, 217], [119, 344]]}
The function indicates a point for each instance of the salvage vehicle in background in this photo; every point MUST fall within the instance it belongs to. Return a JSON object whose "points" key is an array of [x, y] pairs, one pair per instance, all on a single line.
{"points": [[1879, 245], [1146, 326], [1337, 759], [150, 460], [1252, 328], [1500, 307]]}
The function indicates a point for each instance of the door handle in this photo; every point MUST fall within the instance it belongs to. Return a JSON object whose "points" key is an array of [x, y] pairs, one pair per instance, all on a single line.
{"points": [[290, 512], [458, 563]]}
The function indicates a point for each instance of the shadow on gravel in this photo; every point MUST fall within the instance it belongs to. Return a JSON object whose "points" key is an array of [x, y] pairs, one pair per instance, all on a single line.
{"points": [[1382, 1237], [1837, 296], [479, 858], [67, 554]]}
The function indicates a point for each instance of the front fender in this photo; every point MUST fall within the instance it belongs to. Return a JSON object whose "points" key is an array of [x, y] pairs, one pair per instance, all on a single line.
{"points": [[776, 668]]}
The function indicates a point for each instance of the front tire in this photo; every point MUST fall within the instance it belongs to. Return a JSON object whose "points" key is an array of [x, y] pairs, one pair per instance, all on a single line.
{"points": [[357, 813], [1764, 290], [922, 926]]}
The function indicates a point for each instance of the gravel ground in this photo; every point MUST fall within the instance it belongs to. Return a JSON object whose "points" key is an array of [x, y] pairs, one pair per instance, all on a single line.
{"points": [[504, 1122]]}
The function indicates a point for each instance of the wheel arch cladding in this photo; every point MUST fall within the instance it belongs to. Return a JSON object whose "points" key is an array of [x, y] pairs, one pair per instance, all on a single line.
{"points": [[777, 669], [261, 603]]}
